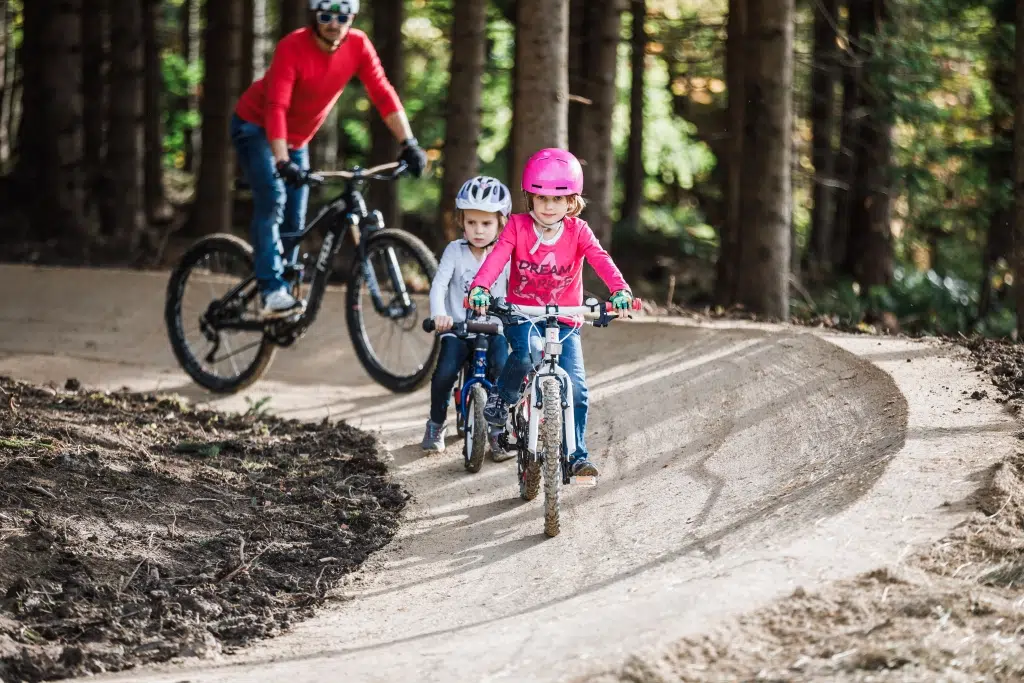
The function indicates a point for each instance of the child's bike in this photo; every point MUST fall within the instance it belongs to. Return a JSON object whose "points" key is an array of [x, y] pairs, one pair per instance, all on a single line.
{"points": [[471, 390], [390, 269], [541, 427]]}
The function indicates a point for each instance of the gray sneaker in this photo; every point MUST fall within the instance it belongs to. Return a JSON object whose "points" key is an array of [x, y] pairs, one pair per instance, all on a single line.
{"points": [[499, 454], [433, 437], [281, 304], [496, 411]]}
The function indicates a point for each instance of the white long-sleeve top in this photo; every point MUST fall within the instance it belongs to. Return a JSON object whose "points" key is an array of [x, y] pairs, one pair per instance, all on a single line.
{"points": [[450, 286]]}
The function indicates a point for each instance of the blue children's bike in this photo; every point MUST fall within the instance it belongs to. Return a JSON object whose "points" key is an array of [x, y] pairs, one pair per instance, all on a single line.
{"points": [[471, 390]]}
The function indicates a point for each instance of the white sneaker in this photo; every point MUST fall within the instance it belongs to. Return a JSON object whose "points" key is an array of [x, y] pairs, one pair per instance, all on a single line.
{"points": [[280, 304]]}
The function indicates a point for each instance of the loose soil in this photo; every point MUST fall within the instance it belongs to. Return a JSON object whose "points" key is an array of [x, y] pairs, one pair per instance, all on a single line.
{"points": [[953, 611], [138, 530]]}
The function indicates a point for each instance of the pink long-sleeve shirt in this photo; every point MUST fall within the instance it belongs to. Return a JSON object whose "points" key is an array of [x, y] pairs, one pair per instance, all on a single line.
{"points": [[554, 272]]}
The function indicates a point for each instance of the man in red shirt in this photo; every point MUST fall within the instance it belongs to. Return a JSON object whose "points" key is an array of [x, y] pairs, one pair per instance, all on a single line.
{"points": [[278, 115]]}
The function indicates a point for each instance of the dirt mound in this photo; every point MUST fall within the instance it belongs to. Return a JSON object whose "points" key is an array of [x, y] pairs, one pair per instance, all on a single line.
{"points": [[952, 612], [138, 530]]}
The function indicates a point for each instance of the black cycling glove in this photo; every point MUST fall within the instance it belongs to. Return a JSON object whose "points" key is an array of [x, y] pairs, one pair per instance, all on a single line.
{"points": [[414, 157], [290, 172]]}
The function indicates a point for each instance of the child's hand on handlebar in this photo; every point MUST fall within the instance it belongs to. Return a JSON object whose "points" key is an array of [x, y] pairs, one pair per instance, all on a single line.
{"points": [[480, 300], [622, 299], [443, 323]]}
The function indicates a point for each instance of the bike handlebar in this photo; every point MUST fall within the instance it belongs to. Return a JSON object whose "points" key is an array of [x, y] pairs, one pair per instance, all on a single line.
{"points": [[373, 173], [464, 328], [601, 310]]}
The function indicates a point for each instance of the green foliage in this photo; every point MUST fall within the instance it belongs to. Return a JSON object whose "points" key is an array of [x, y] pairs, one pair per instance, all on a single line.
{"points": [[180, 79]]}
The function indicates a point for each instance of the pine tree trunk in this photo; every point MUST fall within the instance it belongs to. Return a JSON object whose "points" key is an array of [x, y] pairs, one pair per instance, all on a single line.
{"points": [[259, 36], [10, 86], [95, 18], [54, 137], [125, 218], [634, 181], [462, 121], [850, 134], [156, 206], [581, 29], [293, 14], [869, 256], [248, 41], [4, 85], [1018, 163], [824, 69], [762, 276], [222, 52], [33, 97], [387, 37], [735, 65], [191, 40], [540, 117], [597, 152]]}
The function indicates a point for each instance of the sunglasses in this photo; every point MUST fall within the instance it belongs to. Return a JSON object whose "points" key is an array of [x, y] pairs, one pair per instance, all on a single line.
{"points": [[327, 17]]}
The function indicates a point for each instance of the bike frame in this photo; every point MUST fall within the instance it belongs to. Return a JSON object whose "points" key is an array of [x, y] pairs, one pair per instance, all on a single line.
{"points": [[474, 372], [345, 212]]}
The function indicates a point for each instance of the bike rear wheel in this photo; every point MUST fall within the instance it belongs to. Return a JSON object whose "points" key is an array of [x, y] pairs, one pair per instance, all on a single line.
{"points": [[393, 282], [551, 444], [195, 300], [475, 443]]}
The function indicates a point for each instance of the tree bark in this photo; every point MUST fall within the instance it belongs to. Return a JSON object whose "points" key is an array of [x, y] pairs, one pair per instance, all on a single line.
{"points": [[824, 69], [735, 76], [156, 206], [634, 181], [259, 39], [596, 122], [462, 119], [222, 52], [581, 29], [95, 18], [4, 85], [52, 146], [10, 66], [1018, 163], [125, 217], [293, 14], [540, 117], [850, 134], [248, 41], [388, 16], [869, 250], [762, 276]]}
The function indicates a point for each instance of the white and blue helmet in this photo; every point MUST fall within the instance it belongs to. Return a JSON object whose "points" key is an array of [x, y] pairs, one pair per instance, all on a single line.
{"points": [[484, 193], [341, 6]]}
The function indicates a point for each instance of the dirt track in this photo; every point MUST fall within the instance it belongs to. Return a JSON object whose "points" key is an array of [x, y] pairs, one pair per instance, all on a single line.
{"points": [[738, 463]]}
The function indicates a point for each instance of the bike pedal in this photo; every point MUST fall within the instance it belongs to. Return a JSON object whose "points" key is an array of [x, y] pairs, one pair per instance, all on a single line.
{"points": [[584, 481]]}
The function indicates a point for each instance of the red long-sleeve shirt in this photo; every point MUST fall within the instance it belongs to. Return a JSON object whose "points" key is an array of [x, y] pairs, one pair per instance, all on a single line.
{"points": [[303, 82]]}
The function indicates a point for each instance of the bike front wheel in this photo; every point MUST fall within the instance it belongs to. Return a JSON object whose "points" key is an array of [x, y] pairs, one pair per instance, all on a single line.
{"points": [[551, 445], [388, 294], [213, 285], [475, 443]]}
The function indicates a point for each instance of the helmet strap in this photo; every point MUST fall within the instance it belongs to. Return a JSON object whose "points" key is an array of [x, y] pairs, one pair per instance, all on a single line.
{"points": [[548, 227]]}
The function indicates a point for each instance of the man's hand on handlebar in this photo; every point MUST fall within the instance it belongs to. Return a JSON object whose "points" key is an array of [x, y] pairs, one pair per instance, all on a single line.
{"points": [[290, 173], [443, 323]]}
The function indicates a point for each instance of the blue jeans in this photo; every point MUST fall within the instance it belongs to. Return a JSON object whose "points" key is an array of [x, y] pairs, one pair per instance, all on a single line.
{"points": [[452, 356], [571, 361], [272, 202]]}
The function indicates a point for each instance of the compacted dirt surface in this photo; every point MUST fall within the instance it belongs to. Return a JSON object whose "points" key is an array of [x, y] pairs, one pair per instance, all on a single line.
{"points": [[740, 462], [135, 530]]}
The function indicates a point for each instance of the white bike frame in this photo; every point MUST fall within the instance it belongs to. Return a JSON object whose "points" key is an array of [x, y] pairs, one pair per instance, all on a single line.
{"points": [[532, 399]]}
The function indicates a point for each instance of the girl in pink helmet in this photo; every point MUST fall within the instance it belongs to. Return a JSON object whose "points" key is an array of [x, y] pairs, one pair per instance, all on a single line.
{"points": [[547, 247]]}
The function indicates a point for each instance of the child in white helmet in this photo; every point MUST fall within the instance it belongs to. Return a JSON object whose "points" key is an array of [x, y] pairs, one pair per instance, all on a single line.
{"points": [[482, 208]]}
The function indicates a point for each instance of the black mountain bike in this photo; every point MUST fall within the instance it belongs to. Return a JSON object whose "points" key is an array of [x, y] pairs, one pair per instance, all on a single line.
{"points": [[389, 275]]}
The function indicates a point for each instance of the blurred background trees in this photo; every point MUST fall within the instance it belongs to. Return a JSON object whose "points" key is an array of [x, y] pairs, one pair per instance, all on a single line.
{"points": [[846, 161]]}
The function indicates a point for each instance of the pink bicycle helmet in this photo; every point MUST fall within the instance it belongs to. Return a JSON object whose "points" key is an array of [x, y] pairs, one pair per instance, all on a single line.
{"points": [[553, 172]]}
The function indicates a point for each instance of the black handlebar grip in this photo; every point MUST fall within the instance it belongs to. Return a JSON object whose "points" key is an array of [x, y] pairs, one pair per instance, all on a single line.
{"points": [[428, 325], [481, 328]]}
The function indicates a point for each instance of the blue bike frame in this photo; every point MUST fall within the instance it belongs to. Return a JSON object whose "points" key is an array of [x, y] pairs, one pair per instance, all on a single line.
{"points": [[477, 365]]}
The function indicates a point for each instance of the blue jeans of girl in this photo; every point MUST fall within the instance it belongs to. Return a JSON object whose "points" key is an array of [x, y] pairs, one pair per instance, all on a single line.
{"points": [[571, 361], [277, 211]]}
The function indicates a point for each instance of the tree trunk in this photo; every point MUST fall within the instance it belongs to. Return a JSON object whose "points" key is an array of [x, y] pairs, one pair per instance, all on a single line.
{"points": [[634, 181], [52, 149], [850, 134], [4, 85], [1018, 163], [10, 67], [869, 249], [596, 122], [248, 42], [735, 76], [388, 16], [540, 117], [156, 206], [222, 51], [125, 218], [259, 39], [95, 18], [581, 35], [293, 14], [462, 120], [824, 69], [762, 276], [190, 33]]}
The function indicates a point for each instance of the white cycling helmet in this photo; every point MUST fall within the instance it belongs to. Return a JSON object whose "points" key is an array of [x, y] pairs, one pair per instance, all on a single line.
{"points": [[484, 193], [341, 6]]}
